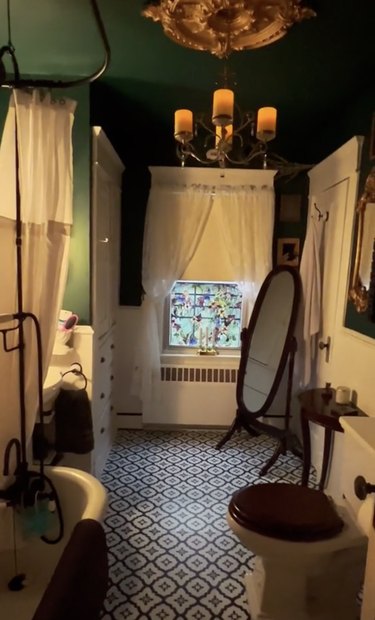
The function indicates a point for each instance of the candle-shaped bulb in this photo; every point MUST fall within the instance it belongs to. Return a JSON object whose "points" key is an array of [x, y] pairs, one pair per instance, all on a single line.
{"points": [[223, 104], [183, 125], [266, 124]]}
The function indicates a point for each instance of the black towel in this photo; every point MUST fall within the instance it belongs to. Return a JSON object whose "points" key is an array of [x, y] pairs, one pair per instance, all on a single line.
{"points": [[73, 422]]}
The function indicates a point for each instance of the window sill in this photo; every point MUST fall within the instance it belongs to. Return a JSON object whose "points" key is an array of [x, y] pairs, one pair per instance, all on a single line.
{"points": [[229, 360]]}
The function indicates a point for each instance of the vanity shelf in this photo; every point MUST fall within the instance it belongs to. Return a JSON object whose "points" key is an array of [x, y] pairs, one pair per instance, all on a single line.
{"points": [[319, 407]]}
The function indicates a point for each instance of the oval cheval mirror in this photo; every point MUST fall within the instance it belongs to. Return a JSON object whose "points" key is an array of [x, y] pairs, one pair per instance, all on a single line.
{"points": [[268, 345]]}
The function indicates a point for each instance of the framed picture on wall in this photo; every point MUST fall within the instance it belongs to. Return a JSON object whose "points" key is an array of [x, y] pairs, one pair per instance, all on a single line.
{"points": [[288, 251], [372, 139]]}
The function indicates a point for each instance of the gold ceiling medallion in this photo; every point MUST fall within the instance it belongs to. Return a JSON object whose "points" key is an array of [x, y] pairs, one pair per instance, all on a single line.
{"points": [[225, 26]]}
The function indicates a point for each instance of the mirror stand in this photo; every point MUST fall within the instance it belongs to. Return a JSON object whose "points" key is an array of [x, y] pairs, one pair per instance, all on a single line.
{"points": [[286, 440], [268, 348]]}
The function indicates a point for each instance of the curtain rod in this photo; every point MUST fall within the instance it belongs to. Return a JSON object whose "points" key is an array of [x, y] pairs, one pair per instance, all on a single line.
{"points": [[18, 82]]}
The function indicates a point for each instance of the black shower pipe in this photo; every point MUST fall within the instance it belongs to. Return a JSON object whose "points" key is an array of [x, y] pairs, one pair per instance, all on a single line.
{"points": [[20, 445], [23, 488], [19, 82]]}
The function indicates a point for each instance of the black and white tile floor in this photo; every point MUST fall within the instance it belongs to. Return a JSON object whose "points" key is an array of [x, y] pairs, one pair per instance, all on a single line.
{"points": [[171, 553]]}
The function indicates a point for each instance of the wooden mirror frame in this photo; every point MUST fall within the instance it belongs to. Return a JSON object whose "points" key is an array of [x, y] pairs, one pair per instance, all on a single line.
{"points": [[248, 419], [358, 293], [247, 334]]}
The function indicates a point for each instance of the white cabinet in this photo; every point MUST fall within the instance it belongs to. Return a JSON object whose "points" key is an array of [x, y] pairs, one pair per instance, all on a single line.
{"points": [[106, 209], [107, 171], [94, 345]]}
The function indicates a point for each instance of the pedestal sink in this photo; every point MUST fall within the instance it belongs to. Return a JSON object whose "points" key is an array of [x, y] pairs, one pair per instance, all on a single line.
{"points": [[51, 387]]}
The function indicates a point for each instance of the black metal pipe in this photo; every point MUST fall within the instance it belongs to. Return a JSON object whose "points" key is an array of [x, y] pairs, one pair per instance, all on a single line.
{"points": [[21, 334]]}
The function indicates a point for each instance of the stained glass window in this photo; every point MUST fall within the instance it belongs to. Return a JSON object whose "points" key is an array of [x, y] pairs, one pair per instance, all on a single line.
{"points": [[205, 314]]}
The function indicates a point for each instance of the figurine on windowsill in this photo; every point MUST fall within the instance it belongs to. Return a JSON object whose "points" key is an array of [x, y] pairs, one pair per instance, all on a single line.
{"points": [[207, 348]]}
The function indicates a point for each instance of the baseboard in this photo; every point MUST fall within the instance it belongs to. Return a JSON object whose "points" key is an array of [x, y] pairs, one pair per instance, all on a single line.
{"points": [[128, 421], [178, 427]]}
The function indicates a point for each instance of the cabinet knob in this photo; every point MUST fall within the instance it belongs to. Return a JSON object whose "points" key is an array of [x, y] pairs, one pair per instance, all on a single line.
{"points": [[102, 360], [102, 430], [112, 346], [102, 395], [112, 377]]}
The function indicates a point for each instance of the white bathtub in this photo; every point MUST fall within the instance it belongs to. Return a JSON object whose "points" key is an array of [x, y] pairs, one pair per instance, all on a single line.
{"points": [[82, 497]]}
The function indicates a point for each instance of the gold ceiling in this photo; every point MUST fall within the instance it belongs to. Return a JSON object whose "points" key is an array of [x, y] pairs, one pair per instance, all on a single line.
{"points": [[224, 26]]}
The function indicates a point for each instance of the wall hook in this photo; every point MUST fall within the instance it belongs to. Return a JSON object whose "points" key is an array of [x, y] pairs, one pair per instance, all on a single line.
{"points": [[320, 214]]}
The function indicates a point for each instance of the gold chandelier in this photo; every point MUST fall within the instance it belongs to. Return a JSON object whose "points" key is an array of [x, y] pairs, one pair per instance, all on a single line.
{"points": [[224, 26], [231, 136]]}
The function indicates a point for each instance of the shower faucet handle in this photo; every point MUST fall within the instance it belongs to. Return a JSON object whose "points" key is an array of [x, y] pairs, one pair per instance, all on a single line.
{"points": [[362, 488]]}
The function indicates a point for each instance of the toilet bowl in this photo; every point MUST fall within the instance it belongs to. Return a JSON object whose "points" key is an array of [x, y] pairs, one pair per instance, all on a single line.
{"points": [[310, 552]]}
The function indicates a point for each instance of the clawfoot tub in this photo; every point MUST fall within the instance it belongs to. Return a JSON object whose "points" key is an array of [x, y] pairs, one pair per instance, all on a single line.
{"points": [[67, 580]]}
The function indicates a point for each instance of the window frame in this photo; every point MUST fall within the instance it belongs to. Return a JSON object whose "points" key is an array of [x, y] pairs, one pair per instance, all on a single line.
{"points": [[193, 350]]}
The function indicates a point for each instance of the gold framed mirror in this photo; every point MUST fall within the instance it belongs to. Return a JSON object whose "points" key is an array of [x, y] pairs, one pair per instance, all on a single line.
{"points": [[364, 246]]}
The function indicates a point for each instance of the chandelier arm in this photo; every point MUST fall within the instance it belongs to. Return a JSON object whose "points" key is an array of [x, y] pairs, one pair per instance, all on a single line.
{"points": [[286, 166], [187, 150], [206, 162], [248, 121], [202, 123], [244, 160], [235, 134], [281, 160]]}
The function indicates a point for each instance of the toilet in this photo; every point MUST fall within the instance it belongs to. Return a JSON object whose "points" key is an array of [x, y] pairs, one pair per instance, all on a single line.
{"points": [[310, 551]]}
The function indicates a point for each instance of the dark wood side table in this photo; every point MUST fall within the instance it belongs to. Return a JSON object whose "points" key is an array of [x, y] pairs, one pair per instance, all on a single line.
{"points": [[319, 406]]}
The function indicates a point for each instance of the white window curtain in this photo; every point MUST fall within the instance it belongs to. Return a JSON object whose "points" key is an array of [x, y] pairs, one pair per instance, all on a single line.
{"points": [[44, 129], [246, 216], [175, 220]]}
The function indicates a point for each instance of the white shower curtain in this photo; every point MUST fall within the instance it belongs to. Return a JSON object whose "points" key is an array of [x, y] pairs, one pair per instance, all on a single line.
{"points": [[44, 129]]}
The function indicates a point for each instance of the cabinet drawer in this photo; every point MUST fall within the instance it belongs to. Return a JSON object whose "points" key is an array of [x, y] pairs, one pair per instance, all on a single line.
{"points": [[103, 443], [102, 388], [103, 372]]}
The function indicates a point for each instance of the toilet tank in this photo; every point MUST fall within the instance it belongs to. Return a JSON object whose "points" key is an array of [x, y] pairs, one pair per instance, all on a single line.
{"points": [[358, 459]]}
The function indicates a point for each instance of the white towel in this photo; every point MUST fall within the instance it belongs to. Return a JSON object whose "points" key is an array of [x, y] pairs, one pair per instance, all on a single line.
{"points": [[310, 312]]}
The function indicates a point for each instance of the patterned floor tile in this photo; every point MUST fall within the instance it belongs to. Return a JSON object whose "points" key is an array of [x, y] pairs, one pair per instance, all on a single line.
{"points": [[171, 553]]}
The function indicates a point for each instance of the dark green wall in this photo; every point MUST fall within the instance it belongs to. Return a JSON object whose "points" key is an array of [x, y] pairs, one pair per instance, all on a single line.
{"points": [[297, 187]]}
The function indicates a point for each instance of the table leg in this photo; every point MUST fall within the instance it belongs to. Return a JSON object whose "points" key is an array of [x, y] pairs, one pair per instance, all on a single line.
{"points": [[306, 450], [326, 455]]}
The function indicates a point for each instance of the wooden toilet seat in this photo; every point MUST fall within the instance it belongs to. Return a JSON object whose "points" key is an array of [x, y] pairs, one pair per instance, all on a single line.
{"points": [[286, 512]]}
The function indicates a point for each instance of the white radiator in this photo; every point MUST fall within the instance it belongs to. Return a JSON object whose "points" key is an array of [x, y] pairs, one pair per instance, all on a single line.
{"points": [[196, 396], [199, 374]]}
